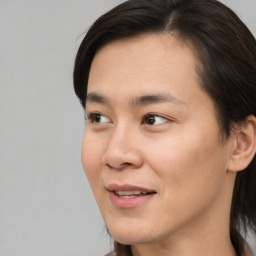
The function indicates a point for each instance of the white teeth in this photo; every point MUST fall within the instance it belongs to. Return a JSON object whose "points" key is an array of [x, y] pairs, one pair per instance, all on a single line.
{"points": [[129, 194]]}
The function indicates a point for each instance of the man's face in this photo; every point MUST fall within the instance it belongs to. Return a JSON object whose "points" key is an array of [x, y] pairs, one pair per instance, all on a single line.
{"points": [[151, 148]]}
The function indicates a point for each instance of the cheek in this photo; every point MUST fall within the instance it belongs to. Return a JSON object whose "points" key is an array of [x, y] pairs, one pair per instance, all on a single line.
{"points": [[91, 160], [191, 168]]}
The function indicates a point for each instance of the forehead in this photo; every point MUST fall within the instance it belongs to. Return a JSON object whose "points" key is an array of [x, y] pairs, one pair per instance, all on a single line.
{"points": [[148, 57], [148, 64]]}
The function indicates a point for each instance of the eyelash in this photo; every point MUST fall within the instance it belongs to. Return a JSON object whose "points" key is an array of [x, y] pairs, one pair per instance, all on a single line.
{"points": [[154, 119], [95, 117]]}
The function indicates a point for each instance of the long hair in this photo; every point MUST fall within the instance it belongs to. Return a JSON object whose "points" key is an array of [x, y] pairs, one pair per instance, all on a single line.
{"points": [[226, 52]]}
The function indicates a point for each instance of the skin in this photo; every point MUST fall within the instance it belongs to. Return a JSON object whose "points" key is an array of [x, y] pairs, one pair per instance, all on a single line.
{"points": [[180, 155]]}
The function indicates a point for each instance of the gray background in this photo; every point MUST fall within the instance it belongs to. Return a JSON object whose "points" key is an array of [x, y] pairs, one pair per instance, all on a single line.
{"points": [[47, 207]]}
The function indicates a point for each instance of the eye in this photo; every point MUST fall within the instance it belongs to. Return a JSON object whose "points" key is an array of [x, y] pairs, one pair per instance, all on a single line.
{"points": [[97, 118], [152, 119]]}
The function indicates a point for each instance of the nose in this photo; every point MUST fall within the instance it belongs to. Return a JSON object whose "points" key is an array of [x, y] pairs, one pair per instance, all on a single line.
{"points": [[122, 151]]}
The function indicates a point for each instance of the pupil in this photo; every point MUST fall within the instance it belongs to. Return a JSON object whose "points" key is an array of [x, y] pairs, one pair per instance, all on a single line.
{"points": [[97, 118], [151, 120]]}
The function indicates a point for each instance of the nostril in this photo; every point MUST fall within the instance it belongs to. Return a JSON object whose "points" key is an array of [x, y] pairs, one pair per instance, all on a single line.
{"points": [[127, 164], [121, 166]]}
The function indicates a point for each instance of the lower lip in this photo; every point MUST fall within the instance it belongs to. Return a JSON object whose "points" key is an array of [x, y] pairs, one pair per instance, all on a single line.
{"points": [[125, 203]]}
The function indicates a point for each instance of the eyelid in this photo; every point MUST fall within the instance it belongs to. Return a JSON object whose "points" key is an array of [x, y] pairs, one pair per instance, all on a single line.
{"points": [[156, 116], [90, 117], [98, 118]]}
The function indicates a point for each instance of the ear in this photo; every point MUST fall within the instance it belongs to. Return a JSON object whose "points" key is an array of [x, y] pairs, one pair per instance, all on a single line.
{"points": [[244, 145]]}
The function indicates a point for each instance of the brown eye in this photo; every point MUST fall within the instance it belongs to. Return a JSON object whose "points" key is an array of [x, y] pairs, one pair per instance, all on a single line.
{"points": [[149, 119], [97, 118], [153, 119]]}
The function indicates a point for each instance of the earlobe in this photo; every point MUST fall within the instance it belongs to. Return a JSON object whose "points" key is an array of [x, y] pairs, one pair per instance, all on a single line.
{"points": [[244, 146]]}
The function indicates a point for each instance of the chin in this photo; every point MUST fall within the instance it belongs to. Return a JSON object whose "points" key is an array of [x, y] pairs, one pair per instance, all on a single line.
{"points": [[127, 235], [128, 239]]}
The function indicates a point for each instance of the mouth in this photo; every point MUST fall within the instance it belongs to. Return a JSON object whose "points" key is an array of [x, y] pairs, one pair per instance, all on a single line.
{"points": [[132, 194], [127, 196]]}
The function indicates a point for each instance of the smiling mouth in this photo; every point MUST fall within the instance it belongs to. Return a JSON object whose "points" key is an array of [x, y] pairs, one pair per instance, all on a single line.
{"points": [[129, 196], [132, 194]]}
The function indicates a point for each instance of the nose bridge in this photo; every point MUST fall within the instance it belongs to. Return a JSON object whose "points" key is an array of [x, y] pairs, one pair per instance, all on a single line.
{"points": [[122, 149], [120, 136]]}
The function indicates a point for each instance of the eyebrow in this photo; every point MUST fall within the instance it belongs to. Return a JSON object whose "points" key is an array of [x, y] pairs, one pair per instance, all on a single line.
{"points": [[97, 98], [156, 98], [139, 101]]}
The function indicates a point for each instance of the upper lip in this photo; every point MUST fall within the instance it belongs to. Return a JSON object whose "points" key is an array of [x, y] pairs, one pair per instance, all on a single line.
{"points": [[127, 187]]}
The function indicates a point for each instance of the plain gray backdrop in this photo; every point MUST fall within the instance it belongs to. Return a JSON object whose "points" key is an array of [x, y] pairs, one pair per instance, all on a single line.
{"points": [[46, 206]]}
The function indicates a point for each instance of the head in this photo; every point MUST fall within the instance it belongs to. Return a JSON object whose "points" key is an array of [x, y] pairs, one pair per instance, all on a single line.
{"points": [[194, 62]]}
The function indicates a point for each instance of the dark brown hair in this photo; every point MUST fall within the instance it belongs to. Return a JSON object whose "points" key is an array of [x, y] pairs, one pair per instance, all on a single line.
{"points": [[226, 51]]}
